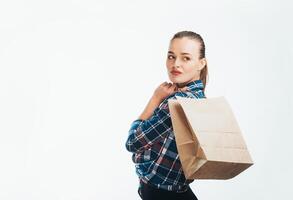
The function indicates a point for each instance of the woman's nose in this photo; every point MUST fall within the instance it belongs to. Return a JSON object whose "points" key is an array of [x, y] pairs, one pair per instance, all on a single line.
{"points": [[177, 63]]}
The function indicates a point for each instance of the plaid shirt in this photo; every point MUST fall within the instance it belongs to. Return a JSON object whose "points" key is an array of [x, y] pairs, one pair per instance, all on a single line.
{"points": [[152, 143]]}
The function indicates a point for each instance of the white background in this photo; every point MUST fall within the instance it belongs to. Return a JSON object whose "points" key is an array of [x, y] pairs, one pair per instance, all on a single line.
{"points": [[75, 74]]}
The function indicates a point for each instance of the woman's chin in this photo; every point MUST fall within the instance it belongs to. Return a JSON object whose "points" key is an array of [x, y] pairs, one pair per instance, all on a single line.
{"points": [[175, 80]]}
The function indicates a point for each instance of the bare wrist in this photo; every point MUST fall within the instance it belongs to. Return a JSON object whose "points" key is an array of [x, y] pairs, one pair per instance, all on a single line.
{"points": [[156, 99]]}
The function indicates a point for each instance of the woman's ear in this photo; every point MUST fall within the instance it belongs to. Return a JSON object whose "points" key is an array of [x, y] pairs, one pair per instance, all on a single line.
{"points": [[203, 63]]}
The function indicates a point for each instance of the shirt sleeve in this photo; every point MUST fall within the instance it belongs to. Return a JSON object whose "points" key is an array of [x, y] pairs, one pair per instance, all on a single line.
{"points": [[144, 133]]}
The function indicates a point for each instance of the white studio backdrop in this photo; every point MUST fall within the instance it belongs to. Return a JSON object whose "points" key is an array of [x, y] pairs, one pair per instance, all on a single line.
{"points": [[75, 74]]}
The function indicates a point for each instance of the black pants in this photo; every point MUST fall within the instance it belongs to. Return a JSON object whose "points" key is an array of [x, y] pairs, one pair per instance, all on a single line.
{"points": [[148, 192]]}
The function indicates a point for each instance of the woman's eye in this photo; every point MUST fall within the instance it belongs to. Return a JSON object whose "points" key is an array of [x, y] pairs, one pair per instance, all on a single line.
{"points": [[185, 58]]}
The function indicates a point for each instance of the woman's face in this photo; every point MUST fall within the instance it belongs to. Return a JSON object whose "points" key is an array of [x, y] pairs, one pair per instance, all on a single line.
{"points": [[183, 56]]}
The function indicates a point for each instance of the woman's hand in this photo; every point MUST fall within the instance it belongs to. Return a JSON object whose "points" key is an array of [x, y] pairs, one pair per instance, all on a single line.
{"points": [[165, 89]]}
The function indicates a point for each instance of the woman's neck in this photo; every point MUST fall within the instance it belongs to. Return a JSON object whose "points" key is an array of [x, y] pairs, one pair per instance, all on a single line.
{"points": [[180, 85]]}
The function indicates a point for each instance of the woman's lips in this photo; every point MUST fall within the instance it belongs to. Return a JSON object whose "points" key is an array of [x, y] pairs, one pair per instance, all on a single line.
{"points": [[176, 73]]}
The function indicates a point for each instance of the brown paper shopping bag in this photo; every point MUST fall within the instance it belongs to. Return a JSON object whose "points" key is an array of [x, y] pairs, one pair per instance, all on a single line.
{"points": [[208, 138]]}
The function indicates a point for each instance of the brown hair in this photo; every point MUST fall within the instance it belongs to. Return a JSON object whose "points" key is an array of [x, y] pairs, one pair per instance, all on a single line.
{"points": [[197, 37]]}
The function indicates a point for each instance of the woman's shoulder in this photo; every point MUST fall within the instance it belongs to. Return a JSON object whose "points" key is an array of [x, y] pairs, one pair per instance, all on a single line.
{"points": [[164, 103], [188, 94]]}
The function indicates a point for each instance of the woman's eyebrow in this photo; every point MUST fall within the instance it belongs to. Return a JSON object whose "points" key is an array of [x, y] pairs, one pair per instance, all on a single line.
{"points": [[171, 52]]}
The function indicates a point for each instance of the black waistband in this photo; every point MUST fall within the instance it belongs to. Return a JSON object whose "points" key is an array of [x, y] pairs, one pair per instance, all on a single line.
{"points": [[183, 189]]}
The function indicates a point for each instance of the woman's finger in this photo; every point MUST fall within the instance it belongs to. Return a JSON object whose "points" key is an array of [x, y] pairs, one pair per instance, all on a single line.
{"points": [[169, 85], [173, 87]]}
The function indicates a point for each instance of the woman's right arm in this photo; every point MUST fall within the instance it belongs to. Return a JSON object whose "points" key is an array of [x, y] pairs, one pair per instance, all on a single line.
{"points": [[144, 132], [153, 103]]}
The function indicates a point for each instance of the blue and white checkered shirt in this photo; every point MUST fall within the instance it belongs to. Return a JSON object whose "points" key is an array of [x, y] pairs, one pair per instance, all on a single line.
{"points": [[153, 145]]}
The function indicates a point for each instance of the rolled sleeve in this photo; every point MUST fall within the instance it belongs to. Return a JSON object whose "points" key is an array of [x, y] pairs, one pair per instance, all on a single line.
{"points": [[144, 133]]}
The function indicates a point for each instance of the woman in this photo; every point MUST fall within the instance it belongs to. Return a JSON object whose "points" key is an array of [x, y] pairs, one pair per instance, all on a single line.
{"points": [[151, 138]]}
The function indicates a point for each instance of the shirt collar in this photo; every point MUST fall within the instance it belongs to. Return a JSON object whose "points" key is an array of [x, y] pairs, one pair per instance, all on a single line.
{"points": [[195, 85]]}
